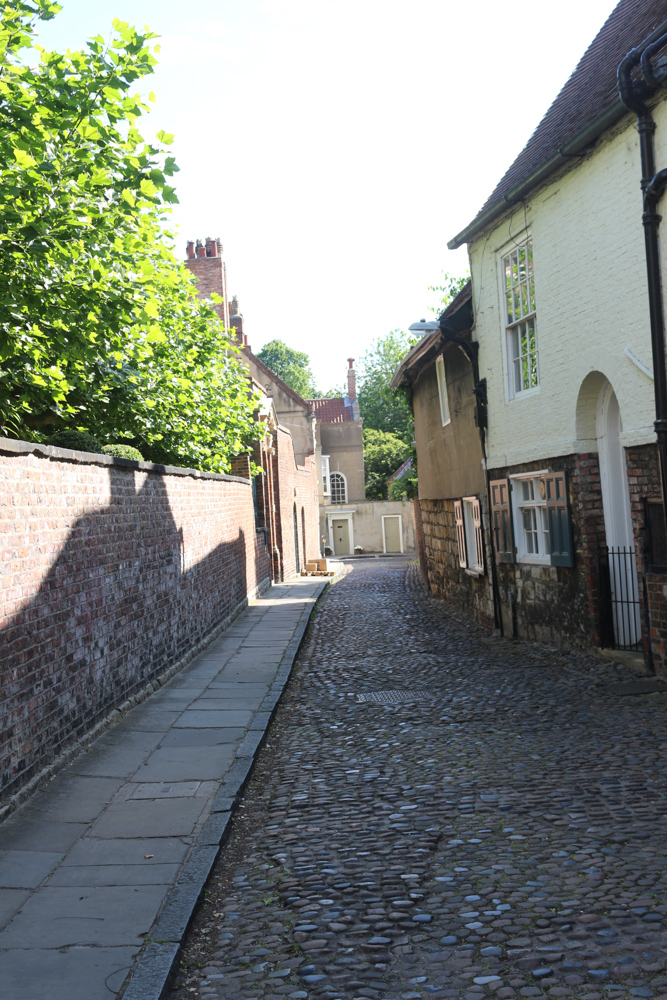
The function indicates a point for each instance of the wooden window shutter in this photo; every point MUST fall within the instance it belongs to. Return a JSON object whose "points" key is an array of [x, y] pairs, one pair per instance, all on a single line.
{"points": [[501, 519], [460, 533], [479, 536], [558, 519]]}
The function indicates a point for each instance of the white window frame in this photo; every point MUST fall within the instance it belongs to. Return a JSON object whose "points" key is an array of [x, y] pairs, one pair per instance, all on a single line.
{"points": [[539, 504], [343, 477], [441, 376], [325, 475], [511, 326], [476, 566], [384, 535]]}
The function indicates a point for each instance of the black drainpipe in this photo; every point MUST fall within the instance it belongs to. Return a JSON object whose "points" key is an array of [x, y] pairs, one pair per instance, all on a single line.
{"points": [[471, 351], [653, 187]]}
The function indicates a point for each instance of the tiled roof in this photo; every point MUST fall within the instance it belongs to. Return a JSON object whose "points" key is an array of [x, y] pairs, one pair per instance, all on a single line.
{"points": [[589, 94], [331, 411]]}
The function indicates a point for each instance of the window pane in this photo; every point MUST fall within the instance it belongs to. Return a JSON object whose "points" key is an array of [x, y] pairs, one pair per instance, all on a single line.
{"points": [[530, 530]]}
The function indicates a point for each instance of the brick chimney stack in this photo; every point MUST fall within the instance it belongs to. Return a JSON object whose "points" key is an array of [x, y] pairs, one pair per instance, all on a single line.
{"points": [[351, 381], [204, 261]]}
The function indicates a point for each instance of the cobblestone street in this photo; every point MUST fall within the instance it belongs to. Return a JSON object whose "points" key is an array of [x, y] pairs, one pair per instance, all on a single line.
{"points": [[501, 832]]}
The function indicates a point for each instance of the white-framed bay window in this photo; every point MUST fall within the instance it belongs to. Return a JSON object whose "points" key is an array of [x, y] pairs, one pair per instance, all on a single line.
{"points": [[325, 475], [520, 317], [441, 375], [469, 535]]}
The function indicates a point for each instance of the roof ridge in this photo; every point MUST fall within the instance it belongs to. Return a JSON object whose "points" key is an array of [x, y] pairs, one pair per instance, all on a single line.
{"points": [[588, 95]]}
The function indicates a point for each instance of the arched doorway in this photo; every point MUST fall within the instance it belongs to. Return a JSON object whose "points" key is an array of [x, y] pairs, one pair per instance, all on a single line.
{"points": [[617, 520], [297, 562], [303, 537]]}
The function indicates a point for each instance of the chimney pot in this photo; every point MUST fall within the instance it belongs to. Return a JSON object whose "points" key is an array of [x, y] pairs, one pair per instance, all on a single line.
{"points": [[190, 249]]}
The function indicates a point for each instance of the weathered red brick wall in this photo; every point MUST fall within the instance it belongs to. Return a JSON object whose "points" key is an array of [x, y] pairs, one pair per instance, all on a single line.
{"points": [[111, 572], [295, 487], [656, 586]]}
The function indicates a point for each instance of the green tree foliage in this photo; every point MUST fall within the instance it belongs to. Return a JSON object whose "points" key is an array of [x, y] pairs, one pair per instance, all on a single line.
{"points": [[406, 487], [447, 291], [381, 407], [383, 454], [293, 367], [100, 325]]}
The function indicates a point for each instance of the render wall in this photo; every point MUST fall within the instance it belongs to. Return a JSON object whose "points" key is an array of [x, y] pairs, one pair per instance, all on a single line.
{"points": [[590, 283], [450, 457], [367, 523], [344, 445], [111, 572]]}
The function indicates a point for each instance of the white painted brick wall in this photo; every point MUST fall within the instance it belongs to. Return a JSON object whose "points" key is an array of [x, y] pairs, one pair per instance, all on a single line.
{"points": [[590, 281]]}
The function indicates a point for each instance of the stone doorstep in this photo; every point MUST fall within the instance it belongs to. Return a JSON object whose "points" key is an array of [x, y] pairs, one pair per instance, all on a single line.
{"points": [[158, 957]]}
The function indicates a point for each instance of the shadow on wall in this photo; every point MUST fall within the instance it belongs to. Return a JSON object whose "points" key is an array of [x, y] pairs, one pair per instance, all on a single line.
{"points": [[122, 602]]}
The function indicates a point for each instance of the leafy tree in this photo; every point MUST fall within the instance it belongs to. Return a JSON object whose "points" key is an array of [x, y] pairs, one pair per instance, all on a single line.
{"points": [[381, 407], [383, 454], [293, 367], [100, 326], [407, 486], [447, 291]]}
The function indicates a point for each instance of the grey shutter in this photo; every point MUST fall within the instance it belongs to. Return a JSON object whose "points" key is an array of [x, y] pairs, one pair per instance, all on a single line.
{"points": [[479, 535], [460, 533], [501, 520], [558, 519]]}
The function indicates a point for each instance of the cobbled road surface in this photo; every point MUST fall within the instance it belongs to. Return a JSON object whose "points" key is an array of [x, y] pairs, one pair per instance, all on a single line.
{"points": [[501, 832]]}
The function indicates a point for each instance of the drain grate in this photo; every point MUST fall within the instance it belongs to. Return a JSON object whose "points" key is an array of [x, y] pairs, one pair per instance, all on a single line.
{"points": [[392, 697]]}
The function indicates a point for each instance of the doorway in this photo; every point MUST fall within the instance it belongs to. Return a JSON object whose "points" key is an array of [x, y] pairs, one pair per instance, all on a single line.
{"points": [[623, 584], [296, 542], [391, 529], [341, 537]]}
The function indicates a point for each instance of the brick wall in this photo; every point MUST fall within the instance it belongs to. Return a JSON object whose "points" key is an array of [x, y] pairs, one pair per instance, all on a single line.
{"points": [[446, 578], [295, 486], [111, 572]]}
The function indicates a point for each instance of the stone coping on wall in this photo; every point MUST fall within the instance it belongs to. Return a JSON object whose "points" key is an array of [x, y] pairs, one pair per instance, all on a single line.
{"points": [[8, 446]]}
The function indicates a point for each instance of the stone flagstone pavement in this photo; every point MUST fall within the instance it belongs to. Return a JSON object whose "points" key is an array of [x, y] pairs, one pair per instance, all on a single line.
{"points": [[114, 850], [502, 832]]}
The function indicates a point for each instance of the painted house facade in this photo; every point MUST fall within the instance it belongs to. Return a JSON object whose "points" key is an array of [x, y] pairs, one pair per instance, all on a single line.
{"points": [[561, 320]]}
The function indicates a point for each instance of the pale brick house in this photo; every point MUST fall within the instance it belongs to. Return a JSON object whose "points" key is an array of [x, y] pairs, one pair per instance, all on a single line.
{"points": [[561, 319]]}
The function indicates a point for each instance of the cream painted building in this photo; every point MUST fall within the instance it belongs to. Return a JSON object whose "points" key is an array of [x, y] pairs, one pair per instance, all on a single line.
{"points": [[561, 320]]}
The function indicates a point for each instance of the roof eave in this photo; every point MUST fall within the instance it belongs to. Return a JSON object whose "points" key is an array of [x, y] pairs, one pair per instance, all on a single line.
{"points": [[593, 130]]}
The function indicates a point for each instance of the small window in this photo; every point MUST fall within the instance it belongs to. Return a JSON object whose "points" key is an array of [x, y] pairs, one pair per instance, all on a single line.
{"points": [[338, 487], [531, 527], [325, 475], [442, 390], [520, 318], [469, 535]]}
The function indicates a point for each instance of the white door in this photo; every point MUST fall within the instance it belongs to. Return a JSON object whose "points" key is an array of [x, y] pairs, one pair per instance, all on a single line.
{"points": [[617, 520], [341, 537], [392, 532]]}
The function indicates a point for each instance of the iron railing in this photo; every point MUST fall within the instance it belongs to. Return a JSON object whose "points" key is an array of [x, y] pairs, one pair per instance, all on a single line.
{"points": [[620, 611]]}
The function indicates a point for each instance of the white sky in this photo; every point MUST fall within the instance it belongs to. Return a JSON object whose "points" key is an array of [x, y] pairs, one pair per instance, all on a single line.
{"points": [[336, 145]]}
